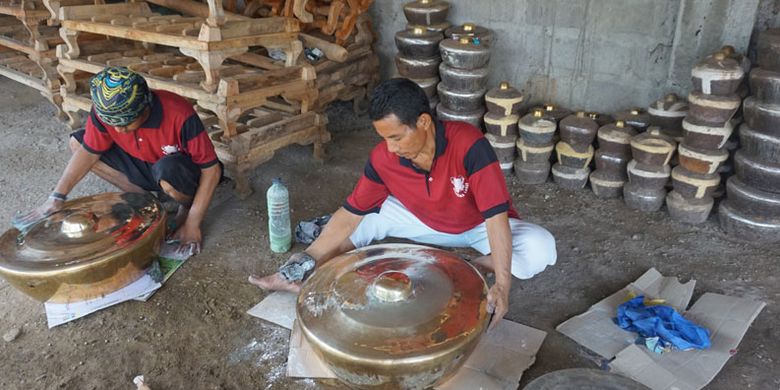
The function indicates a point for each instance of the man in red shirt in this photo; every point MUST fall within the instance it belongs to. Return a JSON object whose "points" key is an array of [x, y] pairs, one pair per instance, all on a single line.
{"points": [[142, 140], [432, 182]]}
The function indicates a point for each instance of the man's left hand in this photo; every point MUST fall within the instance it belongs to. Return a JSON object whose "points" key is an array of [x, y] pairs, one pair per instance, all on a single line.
{"points": [[498, 301], [189, 238]]}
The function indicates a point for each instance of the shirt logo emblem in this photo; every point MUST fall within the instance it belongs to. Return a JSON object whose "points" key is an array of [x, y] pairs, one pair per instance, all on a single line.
{"points": [[459, 186], [170, 149]]}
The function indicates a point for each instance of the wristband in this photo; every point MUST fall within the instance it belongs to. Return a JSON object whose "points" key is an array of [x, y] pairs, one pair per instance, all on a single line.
{"points": [[299, 268], [58, 196]]}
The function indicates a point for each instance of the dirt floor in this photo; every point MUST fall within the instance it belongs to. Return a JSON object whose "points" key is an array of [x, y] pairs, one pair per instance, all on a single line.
{"points": [[195, 333]]}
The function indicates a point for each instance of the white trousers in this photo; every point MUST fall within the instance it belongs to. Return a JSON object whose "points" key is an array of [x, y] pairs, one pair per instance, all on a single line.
{"points": [[533, 247]]}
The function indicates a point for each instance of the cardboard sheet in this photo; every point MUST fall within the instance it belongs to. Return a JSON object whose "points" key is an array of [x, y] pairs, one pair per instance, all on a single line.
{"points": [[595, 329], [727, 319], [499, 360], [497, 363]]}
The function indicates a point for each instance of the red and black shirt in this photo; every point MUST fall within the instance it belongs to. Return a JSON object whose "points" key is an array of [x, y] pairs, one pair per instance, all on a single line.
{"points": [[172, 127], [464, 187]]}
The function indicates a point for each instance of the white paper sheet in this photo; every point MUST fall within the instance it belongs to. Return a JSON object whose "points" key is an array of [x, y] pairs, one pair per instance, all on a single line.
{"points": [[278, 308], [60, 313]]}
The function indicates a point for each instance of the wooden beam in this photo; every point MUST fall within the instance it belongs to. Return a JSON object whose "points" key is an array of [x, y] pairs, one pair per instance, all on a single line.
{"points": [[332, 51]]}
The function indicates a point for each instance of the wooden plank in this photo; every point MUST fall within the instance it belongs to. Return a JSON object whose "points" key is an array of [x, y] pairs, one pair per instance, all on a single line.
{"points": [[257, 60], [103, 57], [249, 99], [134, 34], [242, 28], [190, 76], [265, 40], [144, 67], [252, 81], [288, 108], [11, 61], [124, 61], [267, 118], [19, 12], [180, 41], [23, 78], [17, 45], [192, 92], [175, 28], [194, 8], [75, 12]]}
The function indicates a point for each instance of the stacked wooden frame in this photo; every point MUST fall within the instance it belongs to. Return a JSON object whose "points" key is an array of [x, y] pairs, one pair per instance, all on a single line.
{"points": [[27, 47], [254, 105]]}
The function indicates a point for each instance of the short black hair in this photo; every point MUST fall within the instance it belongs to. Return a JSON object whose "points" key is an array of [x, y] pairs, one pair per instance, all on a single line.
{"points": [[402, 97]]}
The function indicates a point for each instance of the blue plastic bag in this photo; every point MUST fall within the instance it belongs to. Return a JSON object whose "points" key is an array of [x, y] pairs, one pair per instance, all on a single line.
{"points": [[661, 321]]}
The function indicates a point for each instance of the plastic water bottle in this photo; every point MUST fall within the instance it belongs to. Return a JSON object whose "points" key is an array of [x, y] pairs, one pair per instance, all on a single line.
{"points": [[279, 231]]}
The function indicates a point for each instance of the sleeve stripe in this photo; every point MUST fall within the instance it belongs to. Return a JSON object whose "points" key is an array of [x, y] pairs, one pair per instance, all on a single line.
{"points": [[89, 149], [495, 210], [480, 155], [208, 164], [191, 128], [96, 122], [356, 211], [371, 173]]}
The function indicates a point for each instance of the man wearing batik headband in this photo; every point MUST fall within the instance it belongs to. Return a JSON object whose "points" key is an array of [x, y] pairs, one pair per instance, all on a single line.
{"points": [[142, 140]]}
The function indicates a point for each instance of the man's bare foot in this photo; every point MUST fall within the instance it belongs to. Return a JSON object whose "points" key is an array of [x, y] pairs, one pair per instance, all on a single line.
{"points": [[275, 282]]}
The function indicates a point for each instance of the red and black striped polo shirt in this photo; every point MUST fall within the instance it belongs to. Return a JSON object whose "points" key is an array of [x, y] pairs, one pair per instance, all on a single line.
{"points": [[464, 187]]}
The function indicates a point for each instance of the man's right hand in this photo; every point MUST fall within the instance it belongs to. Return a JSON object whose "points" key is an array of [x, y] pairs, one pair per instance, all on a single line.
{"points": [[24, 221]]}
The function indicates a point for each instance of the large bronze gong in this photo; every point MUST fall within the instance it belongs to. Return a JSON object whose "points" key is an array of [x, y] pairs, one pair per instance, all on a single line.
{"points": [[394, 316], [91, 247]]}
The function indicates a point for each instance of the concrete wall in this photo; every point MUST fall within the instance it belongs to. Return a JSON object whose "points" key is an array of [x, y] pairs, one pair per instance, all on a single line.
{"points": [[601, 55]]}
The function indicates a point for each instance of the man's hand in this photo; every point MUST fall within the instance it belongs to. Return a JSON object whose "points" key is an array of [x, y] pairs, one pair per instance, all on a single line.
{"points": [[188, 236], [24, 221], [498, 303], [298, 265]]}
